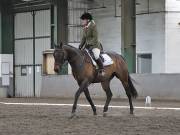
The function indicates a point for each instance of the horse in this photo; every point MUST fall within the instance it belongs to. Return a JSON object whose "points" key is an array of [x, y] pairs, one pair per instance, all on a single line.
{"points": [[85, 73]]}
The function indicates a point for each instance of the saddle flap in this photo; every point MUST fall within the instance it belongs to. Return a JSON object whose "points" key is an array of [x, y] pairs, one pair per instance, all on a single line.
{"points": [[107, 60]]}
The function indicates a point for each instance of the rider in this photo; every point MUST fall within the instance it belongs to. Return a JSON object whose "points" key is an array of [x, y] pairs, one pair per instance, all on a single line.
{"points": [[90, 39]]}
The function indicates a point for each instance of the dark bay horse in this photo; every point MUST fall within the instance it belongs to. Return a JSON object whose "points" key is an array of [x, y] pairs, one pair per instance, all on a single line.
{"points": [[85, 73]]}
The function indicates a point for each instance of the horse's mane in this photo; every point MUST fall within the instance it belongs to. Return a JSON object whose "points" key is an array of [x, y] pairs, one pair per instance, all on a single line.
{"points": [[71, 47], [75, 49]]}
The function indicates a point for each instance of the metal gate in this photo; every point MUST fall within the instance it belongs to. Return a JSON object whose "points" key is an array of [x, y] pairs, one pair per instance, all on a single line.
{"points": [[32, 32]]}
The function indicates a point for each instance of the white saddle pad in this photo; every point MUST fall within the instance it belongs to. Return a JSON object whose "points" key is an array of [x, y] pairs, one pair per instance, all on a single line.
{"points": [[107, 59]]}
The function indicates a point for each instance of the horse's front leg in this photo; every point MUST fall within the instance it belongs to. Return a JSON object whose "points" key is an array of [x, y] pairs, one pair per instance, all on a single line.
{"points": [[88, 97], [82, 87]]}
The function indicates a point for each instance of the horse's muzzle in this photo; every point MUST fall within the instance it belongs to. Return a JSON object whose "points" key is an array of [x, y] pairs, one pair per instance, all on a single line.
{"points": [[56, 68]]}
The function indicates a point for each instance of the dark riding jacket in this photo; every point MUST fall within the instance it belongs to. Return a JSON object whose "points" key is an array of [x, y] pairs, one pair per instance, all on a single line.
{"points": [[90, 37]]}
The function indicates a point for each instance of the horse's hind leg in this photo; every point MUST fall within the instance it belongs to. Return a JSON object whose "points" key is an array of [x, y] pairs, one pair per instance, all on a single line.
{"points": [[88, 97], [106, 88], [123, 77], [128, 93]]}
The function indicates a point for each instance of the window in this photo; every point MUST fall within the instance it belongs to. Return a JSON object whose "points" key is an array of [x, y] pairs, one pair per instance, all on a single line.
{"points": [[144, 63]]}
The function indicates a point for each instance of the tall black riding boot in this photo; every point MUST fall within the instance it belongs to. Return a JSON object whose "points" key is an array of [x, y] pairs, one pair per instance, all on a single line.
{"points": [[100, 65]]}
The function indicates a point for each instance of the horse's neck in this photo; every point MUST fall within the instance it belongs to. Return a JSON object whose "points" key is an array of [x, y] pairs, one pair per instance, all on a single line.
{"points": [[74, 56]]}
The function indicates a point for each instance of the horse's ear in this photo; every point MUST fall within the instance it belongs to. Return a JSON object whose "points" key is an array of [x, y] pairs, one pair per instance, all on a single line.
{"points": [[61, 45]]}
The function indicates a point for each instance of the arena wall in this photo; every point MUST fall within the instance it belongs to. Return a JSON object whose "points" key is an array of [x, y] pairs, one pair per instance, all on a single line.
{"points": [[158, 86]]}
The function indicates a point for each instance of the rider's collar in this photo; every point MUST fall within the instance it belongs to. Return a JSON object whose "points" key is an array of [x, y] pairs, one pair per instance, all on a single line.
{"points": [[87, 26]]}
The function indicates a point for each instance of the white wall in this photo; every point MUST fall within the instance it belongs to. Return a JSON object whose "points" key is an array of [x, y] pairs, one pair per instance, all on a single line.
{"points": [[150, 39], [109, 29], [150, 32], [172, 5], [172, 36]]}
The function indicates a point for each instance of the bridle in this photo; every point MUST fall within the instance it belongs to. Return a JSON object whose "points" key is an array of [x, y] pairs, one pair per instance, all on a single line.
{"points": [[59, 51]]}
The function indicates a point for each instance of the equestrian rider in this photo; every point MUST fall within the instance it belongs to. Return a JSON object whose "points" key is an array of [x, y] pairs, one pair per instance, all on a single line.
{"points": [[90, 39]]}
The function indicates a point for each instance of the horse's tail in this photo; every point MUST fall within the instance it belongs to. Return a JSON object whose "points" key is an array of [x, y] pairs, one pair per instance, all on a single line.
{"points": [[133, 90]]}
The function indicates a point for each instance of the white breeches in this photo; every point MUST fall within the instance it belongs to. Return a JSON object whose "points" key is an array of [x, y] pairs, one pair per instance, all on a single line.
{"points": [[96, 53]]}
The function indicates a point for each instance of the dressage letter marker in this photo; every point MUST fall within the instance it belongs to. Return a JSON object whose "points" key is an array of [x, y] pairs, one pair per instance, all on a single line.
{"points": [[148, 101]]}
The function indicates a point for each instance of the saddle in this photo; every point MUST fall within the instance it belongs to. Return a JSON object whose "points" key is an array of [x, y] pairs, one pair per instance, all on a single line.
{"points": [[107, 60]]}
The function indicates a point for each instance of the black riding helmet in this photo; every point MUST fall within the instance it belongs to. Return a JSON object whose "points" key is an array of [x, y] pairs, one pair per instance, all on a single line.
{"points": [[87, 16]]}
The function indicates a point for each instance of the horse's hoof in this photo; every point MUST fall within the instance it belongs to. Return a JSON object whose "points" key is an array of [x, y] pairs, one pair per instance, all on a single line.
{"points": [[95, 113], [104, 114], [73, 115], [131, 112]]}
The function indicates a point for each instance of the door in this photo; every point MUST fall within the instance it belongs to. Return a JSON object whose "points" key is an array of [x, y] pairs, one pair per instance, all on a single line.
{"points": [[32, 37], [23, 54]]}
